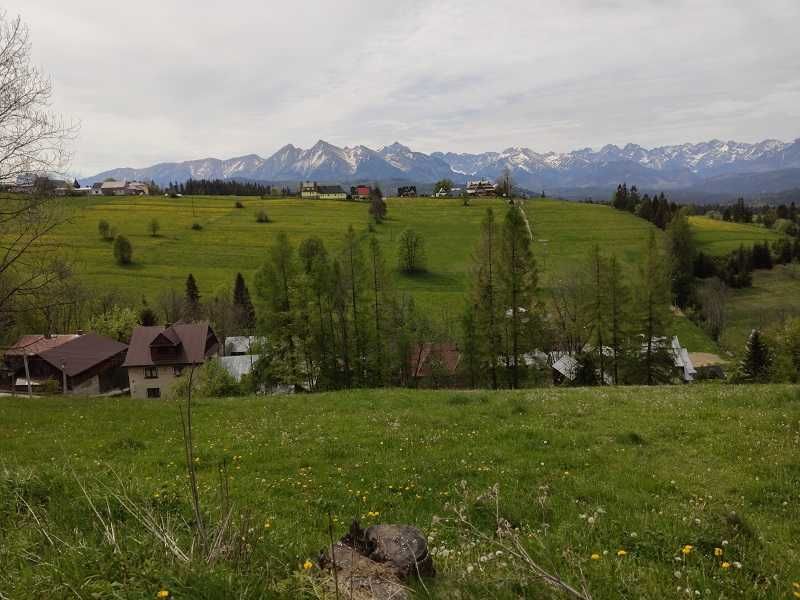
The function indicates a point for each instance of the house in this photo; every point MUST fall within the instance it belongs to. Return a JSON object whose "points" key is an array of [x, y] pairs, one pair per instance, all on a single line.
{"points": [[445, 193], [239, 365], [312, 190], [407, 191], [360, 192], [683, 368], [481, 187], [331, 192], [82, 363], [707, 365], [308, 189], [435, 364], [123, 188], [158, 355], [97, 188]]}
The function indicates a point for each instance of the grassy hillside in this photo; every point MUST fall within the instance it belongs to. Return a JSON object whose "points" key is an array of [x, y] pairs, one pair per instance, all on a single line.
{"points": [[721, 237], [232, 241], [580, 472]]}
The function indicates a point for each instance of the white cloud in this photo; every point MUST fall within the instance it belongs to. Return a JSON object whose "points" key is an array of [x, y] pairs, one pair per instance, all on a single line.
{"points": [[177, 79]]}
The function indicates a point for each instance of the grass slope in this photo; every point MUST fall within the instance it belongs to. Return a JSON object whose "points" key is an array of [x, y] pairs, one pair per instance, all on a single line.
{"points": [[232, 241], [580, 472], [721, 237]]}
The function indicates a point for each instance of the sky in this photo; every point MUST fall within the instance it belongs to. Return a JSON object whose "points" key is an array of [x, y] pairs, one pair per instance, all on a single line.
{"points": [[169, 80]]}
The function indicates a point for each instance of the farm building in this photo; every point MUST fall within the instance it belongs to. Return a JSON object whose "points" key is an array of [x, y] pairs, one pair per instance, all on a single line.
{"points": [[120, 188], [312, 190], [87, 364], [158, 355], [435, 364], [360, 192], [481, 187]]}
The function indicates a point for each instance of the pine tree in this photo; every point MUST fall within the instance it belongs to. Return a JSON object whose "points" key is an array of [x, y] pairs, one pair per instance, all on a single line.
{"points": [[517, 278], [354, 272], [618, 302], [682, 251], [485, 297], [653, 304], [378, 283], [598, 307], [756, 364], [192, 298], [243, 305]]}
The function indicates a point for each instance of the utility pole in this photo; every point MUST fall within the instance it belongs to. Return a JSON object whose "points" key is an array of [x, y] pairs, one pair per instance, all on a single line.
{"points": [[27, 373]]}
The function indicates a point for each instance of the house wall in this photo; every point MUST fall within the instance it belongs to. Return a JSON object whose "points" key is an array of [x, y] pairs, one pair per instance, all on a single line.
{"points": [[139, 384], [88, 387], [338, 196]]}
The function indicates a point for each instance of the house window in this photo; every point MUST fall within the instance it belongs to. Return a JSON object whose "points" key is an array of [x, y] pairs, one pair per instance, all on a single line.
{"points": [[151, 372], [177, 371], [154, 392]]}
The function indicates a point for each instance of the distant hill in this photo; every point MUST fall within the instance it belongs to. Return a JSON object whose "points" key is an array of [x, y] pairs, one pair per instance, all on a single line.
{"points": [[707, 169]]}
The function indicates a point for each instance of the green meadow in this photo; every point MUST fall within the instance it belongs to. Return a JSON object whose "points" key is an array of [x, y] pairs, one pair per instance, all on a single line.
{"points": [[721, 237], [690, 491], [231, 240]]}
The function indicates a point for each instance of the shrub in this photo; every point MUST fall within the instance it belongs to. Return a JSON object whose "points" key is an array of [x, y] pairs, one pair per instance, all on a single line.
{"points": [[210, 381], [123, 251], [238, 204], [262, 217], [154, 227], [196, 226], [411, 255], [104, 229]]}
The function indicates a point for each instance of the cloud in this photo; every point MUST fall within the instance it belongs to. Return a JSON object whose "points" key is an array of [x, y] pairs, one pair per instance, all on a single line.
{"points": [[154, 81]]}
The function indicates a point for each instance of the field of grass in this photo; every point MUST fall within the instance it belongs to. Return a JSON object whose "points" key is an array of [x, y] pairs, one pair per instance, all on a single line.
{"points": [[232, 241], [666, 475], [775, 296], [721, 237]]}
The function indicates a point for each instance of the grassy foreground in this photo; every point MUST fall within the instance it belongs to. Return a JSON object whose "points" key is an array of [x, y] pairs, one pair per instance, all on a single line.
{"points": [[632, 489]]}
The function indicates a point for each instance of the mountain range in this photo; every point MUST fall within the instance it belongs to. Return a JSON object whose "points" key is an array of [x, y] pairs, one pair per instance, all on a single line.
{"points": [[701, 165]]}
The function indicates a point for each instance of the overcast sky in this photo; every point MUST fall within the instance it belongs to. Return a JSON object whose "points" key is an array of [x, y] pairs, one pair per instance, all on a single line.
{"points": [[168, 80]]}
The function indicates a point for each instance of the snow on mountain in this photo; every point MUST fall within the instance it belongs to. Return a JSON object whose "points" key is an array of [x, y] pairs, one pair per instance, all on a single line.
{"points": [[673, 166]]}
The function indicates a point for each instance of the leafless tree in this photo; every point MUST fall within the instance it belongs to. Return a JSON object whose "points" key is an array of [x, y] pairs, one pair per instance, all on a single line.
{"points": [[32, 143], [570, 296], [713, 298]]}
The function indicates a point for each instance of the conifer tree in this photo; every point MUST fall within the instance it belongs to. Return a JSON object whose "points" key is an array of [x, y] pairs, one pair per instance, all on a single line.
{"points": [[243, 305], [756, 364], [654, 314], [682, 252], [598, 306], [618, 302], [485, 297], [517, 278], [192, 298]]}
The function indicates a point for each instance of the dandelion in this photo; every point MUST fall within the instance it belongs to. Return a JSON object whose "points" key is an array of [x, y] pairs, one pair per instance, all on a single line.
{"points": [[163, 594], [595, 556], [718, 551], [687, 549], [725, 565], [307, 565], [622, 552]]}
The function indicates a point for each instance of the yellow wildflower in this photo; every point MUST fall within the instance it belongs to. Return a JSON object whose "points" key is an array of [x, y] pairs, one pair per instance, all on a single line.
{"points": [[595, 556], [718, 551], [307, 565], [687, 549], [725, 565], [163, 594], [621, 552]]}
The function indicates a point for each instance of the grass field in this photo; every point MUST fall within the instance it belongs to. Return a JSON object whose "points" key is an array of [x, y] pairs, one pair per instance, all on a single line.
{"points": [[580, 472], [721, 237], [232, 241]]}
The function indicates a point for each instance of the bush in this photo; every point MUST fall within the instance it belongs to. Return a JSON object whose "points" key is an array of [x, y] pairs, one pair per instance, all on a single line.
{"points": [[123, 251], [154, 227], [411, 254], [105, 230], [210, 381], [196, 226], [261, 217], [238, 204]]}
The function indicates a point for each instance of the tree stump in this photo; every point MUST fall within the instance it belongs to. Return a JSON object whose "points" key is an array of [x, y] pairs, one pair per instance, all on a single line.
{"points": [[373, 564]]}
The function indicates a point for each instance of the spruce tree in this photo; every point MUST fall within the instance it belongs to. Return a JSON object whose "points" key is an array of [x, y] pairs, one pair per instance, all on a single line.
{"points": [[192, 298], [756, 364], [618, 307], [243, 305], [517, 278], [682, 252], [485, 297], [654, 315], [598, 306]]}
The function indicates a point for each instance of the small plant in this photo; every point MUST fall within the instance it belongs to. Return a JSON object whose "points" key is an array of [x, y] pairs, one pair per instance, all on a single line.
{"points": [[123, 251], [196, 226], [238, 204], [262, 217], [154, 227], [105, 230]]}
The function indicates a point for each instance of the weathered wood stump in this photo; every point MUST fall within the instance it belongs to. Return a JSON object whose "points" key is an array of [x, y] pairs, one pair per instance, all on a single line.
{"points": [[373, 564]]}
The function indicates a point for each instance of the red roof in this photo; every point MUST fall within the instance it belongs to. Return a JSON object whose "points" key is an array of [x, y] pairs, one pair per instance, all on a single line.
{"points": [[35, 344], [189, 340], [82, 353]]}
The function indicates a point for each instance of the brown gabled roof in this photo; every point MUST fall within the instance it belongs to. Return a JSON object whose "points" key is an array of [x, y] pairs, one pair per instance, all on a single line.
{"points": [[190, 341], [35, 344], [82, 353]]}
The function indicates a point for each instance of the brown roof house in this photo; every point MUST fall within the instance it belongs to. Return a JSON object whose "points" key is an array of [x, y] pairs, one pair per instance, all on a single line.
{"points": [[435, 364], [84, 364], [158, 355]]}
